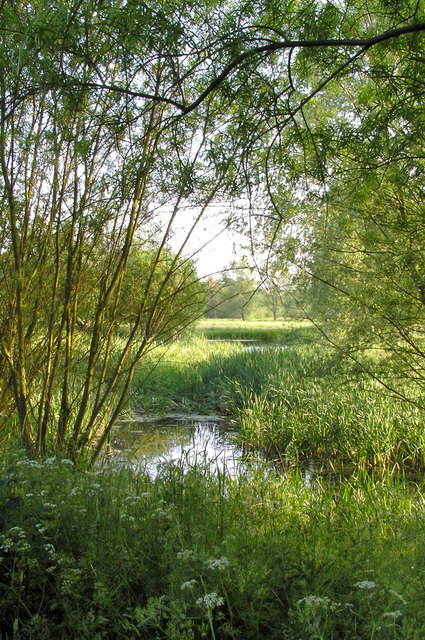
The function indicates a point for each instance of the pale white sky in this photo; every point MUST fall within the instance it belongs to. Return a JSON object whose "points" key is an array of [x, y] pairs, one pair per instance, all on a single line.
{"points": [[212, 246]]}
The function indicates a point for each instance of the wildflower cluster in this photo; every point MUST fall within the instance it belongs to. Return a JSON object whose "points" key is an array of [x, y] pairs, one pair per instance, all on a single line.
{"points": [[365, 584], [217, 563], [188, 585], [14, 540], [210, 600]]}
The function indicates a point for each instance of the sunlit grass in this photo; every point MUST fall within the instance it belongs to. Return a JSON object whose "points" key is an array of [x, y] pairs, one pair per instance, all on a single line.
{"points": [[276, 552], [283, 331], [298, 403], [230, 323]]}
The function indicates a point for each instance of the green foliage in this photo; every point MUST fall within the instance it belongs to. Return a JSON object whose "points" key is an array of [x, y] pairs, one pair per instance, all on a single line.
{"points": [[176, 302], [235, 294], [84, 294], [113, 554], [112, 113], [345, 187]]}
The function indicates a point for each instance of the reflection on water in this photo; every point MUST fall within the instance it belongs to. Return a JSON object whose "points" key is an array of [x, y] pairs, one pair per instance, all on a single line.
{"points": [[147, 442], [192, 442]]}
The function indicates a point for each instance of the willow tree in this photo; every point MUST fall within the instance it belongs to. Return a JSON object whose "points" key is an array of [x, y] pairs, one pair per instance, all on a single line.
{"points": [[89, 158], [335, 153]]}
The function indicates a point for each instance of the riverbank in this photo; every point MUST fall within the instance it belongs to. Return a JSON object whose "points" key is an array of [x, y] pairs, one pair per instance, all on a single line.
{"points": [[301, 403]]}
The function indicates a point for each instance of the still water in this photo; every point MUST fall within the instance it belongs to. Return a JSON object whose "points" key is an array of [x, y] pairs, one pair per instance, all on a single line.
{"points": [[149, 442]]}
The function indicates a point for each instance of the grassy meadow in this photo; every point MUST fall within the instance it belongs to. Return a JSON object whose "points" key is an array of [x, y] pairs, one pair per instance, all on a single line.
{"points": [[326, 545], [269, 331]]}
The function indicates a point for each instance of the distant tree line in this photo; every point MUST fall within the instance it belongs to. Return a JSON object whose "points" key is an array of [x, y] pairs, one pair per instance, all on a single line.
{"points": [[236, 293]]}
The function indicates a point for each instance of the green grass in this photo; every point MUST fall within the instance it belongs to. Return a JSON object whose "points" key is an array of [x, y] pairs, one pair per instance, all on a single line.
{"points": [[187, 376], [298, 404], [273, 553], [113, 554], [269, 331]]}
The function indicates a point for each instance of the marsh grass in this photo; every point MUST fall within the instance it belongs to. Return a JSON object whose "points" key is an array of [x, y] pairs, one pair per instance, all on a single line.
{"points": [[298, 403], [114, 554], [189, 374], [268, 553]]}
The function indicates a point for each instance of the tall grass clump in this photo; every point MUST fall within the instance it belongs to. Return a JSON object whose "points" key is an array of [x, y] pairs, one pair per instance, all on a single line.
{"points": [[310, 408], [197, 374], [185, 376], [195, 554]]}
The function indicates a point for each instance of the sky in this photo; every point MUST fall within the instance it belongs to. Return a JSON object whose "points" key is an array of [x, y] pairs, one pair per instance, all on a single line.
{"points": [[212, 246]]}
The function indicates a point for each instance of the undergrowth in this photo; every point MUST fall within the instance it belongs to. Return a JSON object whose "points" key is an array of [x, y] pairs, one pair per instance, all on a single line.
{"points": [[113, 554]]}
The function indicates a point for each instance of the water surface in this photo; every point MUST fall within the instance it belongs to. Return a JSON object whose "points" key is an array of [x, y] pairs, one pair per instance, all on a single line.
{"points": [[150, 441]]}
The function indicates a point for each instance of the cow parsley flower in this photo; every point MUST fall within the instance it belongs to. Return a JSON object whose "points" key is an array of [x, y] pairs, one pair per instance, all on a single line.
{"points": [[190, 584], [365, 584], [217, 563], [186, 554], [398, 596], [210, 600], [393, 614]]}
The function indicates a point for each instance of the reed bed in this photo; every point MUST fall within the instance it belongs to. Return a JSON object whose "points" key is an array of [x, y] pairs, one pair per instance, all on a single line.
{"points": [[299, 404]]}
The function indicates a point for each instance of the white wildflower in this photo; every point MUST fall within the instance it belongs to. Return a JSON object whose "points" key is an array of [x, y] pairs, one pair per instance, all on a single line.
{"points": [[365, 584], [393, 614], [29, 463], [210, 600], [217, 563], [186, 554], [164, 513], [313, 601], [7, 544], [125, 516], [49, 548], [188, 585], [398, 596]]}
